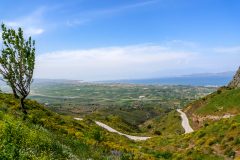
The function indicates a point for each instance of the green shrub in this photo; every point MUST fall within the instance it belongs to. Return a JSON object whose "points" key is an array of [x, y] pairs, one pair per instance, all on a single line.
{"points": [[158, 132], [18, 141], [201, 134], [237, 141], [149, 126], [126, 156], [165, 155]]}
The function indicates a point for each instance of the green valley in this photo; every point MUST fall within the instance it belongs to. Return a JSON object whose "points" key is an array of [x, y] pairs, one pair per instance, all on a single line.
{"points": [[126, 107]]}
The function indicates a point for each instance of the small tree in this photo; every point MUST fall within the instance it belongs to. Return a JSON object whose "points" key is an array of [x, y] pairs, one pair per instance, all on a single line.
{"points": [[17, 62]]}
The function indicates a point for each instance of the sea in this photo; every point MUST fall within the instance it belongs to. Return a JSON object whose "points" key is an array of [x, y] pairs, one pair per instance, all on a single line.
{"points": [[195, 80]]}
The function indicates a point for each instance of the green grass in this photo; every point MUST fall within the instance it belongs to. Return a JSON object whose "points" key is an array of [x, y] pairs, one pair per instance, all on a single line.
{"points": [[221, 102], [37, 135], [219, 140], [21, 140], [167, 124], [43, 134], [126, 120]]}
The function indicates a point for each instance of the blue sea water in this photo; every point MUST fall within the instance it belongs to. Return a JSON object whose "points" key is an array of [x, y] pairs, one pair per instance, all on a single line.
{"points": [[184, 80]]}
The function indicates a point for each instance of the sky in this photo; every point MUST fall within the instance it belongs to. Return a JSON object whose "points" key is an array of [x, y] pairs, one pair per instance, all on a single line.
{"points": [[128, 39]]}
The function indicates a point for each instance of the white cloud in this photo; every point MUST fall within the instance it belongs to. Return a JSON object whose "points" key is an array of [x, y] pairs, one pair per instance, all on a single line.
{"points": [[137, 61], [31, 23], [182, 43], [234, 49]]}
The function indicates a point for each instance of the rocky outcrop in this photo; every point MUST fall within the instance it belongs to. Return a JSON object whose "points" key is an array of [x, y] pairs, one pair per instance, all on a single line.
{"points": [[235, 83], [200, 121]]}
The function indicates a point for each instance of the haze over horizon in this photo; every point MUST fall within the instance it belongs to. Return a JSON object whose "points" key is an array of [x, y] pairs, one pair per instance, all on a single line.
{"points": [[107, 40]]}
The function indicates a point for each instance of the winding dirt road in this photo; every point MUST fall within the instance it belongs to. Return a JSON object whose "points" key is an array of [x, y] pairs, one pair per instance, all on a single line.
{"points": [[185, 125], [185, 122], [110, 129], [136, 138]]}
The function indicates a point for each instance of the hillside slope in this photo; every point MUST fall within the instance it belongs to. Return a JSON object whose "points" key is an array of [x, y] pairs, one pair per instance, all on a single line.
{"points": [[216, 120], [168, 124], [217, 141], [223, 103], [42, 134]]}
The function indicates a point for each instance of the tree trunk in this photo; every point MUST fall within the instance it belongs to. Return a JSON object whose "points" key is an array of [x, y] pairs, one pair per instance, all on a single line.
{"points": [[22, 106], [15, 93]]}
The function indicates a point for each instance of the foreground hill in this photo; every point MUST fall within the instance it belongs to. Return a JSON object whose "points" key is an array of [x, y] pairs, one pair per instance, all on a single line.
{"points": [[42, 134], [223, 103], [218, 141]]}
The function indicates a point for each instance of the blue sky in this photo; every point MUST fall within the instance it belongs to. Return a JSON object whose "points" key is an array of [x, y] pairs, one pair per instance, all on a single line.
{"points": [[118, 39]]}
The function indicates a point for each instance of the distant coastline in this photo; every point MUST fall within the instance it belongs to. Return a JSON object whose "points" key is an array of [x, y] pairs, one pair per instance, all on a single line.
{"points": [[203, 79], [208, 80]]}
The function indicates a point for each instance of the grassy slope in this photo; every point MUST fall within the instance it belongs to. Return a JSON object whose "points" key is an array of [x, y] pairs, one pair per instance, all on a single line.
{"points": [[219, 140], [223, 101], [164, 125], [216, 140], [43, 134], [126, 120], [141, 121], [218, 103]]}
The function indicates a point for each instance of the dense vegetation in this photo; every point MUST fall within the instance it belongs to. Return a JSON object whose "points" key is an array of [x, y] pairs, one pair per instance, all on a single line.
{"points": [[43, 134], [168, 124], [47, 135], [218, 140]]}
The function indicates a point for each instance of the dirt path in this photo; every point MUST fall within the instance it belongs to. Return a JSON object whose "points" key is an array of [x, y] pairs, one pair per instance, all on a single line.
{"points": [[110, 129], [185, 122], [185, 125], [136, 138]]}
